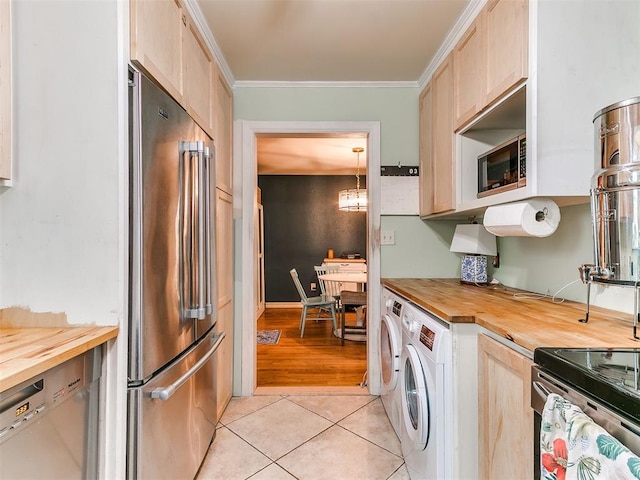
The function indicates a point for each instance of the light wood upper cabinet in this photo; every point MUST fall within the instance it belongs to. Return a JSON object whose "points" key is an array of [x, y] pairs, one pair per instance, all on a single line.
{"points": [[198, 78], [426, 151], [490, 58], [166, 44], [5, 91], [223, 122], [469, 67], [505, 417], [506, 23], [444, 198], [437, 161], [157, 29]]}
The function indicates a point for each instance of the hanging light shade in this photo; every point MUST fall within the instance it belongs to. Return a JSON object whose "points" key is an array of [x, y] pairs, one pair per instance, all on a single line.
{"points": [[354, 199]]}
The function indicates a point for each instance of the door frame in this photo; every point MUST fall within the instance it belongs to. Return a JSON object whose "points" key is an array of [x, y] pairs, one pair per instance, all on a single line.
{"points": [[245, 183]]}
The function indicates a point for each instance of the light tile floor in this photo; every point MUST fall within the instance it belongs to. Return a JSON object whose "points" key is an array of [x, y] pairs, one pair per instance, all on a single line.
{"points": [[304, 437]]}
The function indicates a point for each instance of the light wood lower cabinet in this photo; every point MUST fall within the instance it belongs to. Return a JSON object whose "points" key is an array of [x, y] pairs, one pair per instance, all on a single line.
{"points": [[224, 259], [505, 417]]}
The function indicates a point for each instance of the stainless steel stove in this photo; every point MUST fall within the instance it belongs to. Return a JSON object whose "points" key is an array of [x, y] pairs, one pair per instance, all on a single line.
{"points": [[610, 376], [603, 382]]}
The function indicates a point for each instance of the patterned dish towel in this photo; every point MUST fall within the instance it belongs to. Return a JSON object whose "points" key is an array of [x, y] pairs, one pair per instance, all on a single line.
{"points": [[572, 446]]}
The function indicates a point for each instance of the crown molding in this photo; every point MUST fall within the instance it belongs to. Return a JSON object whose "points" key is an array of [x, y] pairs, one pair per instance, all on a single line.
{"points": [[198, 18], [465, 19], [314, 84], [463, 22]]}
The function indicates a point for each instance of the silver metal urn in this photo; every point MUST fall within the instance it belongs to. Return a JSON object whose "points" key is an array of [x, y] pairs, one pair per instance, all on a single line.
{"points": [[615, 200]]}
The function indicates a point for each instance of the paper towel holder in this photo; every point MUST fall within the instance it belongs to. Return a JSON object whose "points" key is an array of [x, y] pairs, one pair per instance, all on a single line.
{"points": [[541, 215]]}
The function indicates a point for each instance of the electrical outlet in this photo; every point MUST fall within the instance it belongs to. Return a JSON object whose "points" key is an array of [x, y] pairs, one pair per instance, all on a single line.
{"points": [[313, 287], [388, 237]]}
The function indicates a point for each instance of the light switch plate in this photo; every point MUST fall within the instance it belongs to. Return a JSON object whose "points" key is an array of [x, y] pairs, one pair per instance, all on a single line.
{"points": [[387, 237]]}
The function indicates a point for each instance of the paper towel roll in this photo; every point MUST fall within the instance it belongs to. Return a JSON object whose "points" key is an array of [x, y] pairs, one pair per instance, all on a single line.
{"points": [[531, 218]]}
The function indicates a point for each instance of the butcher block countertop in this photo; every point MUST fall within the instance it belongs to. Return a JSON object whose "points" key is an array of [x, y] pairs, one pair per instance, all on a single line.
{"points": [[28, 351], [528, 322]]}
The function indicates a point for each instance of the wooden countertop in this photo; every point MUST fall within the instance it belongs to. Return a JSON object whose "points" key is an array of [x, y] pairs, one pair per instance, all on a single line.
{"points": [[29, 351], [529, 322]]}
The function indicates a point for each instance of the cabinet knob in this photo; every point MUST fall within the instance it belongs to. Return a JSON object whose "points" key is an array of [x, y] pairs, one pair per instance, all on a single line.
{"points": [[184, 20]]}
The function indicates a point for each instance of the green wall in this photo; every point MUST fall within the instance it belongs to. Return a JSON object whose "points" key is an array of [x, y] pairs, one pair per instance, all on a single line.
{"points": [[422, 247]]}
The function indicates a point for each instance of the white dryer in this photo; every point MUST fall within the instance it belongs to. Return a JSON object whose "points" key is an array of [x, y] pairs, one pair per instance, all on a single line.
{"points": [[390, 352], [427, 395]]}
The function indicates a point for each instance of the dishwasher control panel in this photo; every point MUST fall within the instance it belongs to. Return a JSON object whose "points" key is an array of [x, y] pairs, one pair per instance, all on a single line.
{"points": [[32, 399]]}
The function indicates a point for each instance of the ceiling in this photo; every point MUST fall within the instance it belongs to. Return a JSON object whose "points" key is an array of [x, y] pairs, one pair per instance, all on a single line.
{"points": [[363, 42]]}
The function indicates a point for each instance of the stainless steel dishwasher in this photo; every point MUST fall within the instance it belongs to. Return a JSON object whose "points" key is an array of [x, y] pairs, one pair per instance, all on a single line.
{"points": [[49, 423]]}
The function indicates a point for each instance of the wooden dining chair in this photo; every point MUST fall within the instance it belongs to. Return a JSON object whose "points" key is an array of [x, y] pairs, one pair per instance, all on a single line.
{"points": [[324, 306], [321, 270], [349, 298]]}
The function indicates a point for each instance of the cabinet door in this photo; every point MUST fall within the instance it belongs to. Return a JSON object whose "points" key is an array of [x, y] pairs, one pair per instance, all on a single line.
{"points": [[156, 41], [198, 78], [469, 67], [5, 90], [223, 127], [506, 26], [224, 275], [505, 430], [426, 151], [444, 179]]}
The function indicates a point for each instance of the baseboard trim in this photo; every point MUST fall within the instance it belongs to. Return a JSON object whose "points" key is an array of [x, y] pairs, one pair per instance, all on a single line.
{"points": [[283, 305], [284, 390]]}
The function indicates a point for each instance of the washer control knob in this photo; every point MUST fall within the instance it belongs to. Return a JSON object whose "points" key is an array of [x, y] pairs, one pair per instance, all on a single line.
{"points": [[389, 303], [413, 326]]}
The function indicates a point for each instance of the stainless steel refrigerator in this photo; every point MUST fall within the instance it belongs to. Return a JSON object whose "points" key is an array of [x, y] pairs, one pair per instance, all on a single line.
{"points": [[172, 309]]}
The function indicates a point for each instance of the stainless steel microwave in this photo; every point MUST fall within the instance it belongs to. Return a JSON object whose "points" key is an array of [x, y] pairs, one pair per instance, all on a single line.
{"points": [[503, 167]]}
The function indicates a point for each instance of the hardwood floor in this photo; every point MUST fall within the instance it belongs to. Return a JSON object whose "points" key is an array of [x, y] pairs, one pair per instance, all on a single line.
{"points": [[315, 360]]}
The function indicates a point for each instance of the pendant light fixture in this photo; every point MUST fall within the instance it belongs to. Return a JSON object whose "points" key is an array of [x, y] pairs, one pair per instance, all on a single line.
{"points": [[354, 200]]}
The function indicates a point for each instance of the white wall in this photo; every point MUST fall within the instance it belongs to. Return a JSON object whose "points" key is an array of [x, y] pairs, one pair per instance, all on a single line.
{"points": [[62, 218], [63, 222]]}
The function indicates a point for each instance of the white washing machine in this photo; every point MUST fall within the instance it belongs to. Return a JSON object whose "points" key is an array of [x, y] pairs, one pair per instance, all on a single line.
{"points": [[427, 395], [389, 354]]}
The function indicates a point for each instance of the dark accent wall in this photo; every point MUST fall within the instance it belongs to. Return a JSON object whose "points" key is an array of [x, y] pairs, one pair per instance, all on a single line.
{"points": [[302, 222]]}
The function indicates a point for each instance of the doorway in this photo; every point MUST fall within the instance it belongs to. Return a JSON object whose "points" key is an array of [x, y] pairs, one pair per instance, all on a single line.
{"points": [[245, 188]]}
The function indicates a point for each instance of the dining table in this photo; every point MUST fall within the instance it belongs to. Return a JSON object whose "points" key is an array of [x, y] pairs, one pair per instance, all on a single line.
{"points": [[360, 280]]}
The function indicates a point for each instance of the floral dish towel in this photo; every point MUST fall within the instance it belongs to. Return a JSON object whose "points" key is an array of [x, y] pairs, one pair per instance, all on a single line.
{"points": [[573, 446]]}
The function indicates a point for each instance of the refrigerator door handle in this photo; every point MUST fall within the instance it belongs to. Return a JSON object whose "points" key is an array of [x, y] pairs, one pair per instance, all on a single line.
{"points": [[194, 302], [201, 229], [207, 225], [165, 393]]}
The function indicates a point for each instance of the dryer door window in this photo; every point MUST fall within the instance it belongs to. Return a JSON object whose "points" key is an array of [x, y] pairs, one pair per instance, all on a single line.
{"points": [[389, 353], [415, 404]]}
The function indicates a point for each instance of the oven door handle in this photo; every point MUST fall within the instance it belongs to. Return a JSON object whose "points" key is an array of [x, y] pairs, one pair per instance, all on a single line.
{"points": [[541, 389]]}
